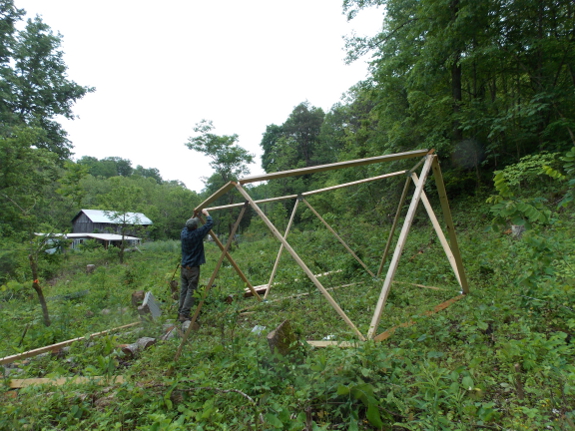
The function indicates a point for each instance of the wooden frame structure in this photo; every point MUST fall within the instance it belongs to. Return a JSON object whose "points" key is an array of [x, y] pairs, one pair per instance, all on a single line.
{"points": [[451, 248]]}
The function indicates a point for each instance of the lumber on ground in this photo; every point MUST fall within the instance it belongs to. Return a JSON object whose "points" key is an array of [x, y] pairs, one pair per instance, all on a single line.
{"points": [[100, 380], [58, 346]]}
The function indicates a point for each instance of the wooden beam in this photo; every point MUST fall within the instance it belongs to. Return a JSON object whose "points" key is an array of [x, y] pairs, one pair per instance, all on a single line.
{"points": [[385, 335], [333, 166], [260, 201], [299, 261], [234, 265], [58, 346], [399, 247], [339, 238], [353, 183], [297, 295], [222, 191], [393, 226], [449, 224], [59, 381], [312, 192], [276, 263], [438, 230], [419, 285]]}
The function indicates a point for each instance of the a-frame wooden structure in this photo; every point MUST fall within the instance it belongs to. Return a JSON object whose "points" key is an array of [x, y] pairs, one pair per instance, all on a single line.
{"points": [[428, 162]]}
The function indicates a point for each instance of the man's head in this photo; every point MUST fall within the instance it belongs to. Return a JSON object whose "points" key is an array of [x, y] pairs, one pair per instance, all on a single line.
{"points": [[192, 223]]}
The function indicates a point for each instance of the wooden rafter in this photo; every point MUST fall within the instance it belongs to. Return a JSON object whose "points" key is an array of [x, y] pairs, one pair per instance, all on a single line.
{"points": [[334, 166]]}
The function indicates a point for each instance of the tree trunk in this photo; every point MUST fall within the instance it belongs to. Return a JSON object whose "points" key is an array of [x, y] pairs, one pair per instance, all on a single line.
{"points": [[38, 289], [456, 79]]}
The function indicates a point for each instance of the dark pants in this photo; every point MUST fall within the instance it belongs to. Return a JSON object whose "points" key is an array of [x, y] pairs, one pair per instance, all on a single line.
{"points": [[189, 278]]}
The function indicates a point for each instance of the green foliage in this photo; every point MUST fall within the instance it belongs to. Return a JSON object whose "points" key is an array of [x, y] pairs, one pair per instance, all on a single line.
{"points": [[509, 205], [34, 83], [228, 159]]}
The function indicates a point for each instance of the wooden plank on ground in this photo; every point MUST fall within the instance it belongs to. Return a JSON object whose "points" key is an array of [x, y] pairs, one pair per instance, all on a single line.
{"points": [[385, 335], [59, 381], [326, 343], [58, 346]]}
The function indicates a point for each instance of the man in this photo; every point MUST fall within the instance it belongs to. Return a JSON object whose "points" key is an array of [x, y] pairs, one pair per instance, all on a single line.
{"points": [[193, 256]]}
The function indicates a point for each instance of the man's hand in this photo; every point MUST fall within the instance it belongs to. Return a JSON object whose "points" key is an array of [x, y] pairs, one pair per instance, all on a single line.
{"points": [[205, 212]]}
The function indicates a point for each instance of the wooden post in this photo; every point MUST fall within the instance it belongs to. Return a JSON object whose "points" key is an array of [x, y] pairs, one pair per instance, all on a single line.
{"points": [[449, 224], [340, 239], [438, 230], [394, 225], [399, 247], [233, 263], [210, 283], [299, 261], [276, 263]]}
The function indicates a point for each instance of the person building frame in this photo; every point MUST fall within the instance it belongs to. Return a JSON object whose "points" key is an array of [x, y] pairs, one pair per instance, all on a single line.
{"points": [[429, 163]]}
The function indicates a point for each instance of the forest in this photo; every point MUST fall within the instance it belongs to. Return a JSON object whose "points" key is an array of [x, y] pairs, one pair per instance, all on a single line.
{"points": [[488, 85]]}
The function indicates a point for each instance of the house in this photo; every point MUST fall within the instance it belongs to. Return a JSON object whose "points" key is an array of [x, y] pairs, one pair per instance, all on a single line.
{"points": [[106, 239], [101, 226], [99, 221]]}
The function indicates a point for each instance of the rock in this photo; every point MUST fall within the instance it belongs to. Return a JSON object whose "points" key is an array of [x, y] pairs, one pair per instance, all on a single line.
{"points": [[150, 306], [89, 313], [104, 402], [517, 230], [105, 311], [282, 339], [186, 325], [171, 332], [138, 298], [90, 268]]}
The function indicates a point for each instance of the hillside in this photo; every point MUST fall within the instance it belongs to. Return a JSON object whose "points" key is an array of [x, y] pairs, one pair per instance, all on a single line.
{"points": [[500, 358]]}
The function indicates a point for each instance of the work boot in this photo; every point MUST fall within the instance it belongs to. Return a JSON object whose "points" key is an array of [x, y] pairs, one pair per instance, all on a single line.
{"points": [[182, 318]]}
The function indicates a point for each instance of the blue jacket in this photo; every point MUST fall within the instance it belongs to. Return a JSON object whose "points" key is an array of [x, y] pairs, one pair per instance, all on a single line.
{"points": [[193, 244]]}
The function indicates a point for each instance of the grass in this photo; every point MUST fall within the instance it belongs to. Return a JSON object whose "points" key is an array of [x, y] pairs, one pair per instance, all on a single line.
{"points": [[501, 358]]}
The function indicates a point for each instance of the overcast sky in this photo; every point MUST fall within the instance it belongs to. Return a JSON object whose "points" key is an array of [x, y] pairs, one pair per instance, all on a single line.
{"points": [[161, 67]]}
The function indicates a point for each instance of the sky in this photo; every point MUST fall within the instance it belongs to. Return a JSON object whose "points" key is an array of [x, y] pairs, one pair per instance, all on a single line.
{"points": [[159, 68]]}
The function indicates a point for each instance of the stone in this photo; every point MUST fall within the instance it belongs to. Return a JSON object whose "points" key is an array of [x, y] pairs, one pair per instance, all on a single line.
{"points": [[186, 325], [282, 339], [138, 298], [150, 306], [90, 268], [517, 230]]}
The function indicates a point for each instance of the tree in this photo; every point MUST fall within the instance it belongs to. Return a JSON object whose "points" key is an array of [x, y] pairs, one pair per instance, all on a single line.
{"points": [[294, 144], [120, 203], [482, 76], [229, 160], [33, 80], [148, 173], [25, 174], [108, 167]]}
